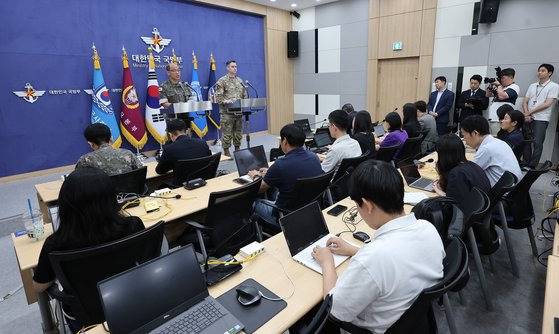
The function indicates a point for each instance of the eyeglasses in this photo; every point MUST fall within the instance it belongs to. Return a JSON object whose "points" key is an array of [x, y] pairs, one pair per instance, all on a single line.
{"points": [[177, 70]]}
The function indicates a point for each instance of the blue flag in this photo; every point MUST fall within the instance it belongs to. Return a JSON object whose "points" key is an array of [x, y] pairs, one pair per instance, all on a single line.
{"points": [[199, 124], [101, 108], [210, 95]]}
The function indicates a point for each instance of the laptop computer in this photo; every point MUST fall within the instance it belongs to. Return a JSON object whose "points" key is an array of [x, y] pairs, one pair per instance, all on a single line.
{"points": [[321, 140], [303, 230], [413, 178], [304, 124], [379, 130], [248, 159], [165, 295]]}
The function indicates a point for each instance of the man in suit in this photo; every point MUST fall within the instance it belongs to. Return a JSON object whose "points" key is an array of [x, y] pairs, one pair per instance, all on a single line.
{"points": [[181, 148], [474, 93], [440, 103]]}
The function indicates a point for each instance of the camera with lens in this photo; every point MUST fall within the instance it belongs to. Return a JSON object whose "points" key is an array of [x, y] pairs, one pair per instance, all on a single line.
{"points": [[498, 75]]}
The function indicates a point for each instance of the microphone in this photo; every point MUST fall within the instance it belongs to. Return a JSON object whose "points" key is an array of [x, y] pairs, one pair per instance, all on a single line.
{"points": [[315, 123], [245, 87], [251, 86], [422, 163], [395, 109], [191, 89], [164, 197]]}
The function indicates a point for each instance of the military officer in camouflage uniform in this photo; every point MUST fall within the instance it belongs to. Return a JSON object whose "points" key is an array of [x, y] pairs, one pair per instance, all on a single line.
{"points": [[229, 88], [173, 91], [110, 160]]}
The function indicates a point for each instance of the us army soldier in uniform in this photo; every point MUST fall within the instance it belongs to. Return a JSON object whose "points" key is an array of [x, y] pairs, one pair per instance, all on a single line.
{"points": [[174, 91], [229, 88]]}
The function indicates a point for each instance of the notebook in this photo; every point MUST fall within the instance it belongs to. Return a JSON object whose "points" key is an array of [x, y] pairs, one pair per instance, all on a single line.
{"points": [[304, 124], [413, 178], [304, 229], [252, 158], [165, 295]]}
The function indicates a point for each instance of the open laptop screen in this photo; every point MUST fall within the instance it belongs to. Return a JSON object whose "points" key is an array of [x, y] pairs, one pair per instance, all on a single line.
{"points": [[303, 227], [250, 158], [322, 139], [409, 171], [379, 130], [144, 297], [304, 124]]}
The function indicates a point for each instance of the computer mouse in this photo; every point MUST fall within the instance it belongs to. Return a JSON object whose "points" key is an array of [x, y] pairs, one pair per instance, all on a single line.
{"points": [[247, 295], [362, 236]]}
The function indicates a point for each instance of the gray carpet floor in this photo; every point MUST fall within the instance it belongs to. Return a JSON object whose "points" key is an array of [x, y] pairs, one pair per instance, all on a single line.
{"points": [[518, 302]]}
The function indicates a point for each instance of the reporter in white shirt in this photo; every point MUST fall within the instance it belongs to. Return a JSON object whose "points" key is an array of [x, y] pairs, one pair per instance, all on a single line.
{"points": [[537, 106], [344, 146], [404, 257]]}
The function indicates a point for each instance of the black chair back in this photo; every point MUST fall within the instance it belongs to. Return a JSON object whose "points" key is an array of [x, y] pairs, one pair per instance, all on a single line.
{"points": [[320, 318], [411, 148], [205, 168], [339, 188], [386, 154], [275, 153], [79, 271], [131, 182], [527, 146], [229, 218], [349, 162], [308, 190], [518, 202]]}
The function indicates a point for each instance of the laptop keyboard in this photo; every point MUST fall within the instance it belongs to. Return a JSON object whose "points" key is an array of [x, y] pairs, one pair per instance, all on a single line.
{"points": [[422, 183], [194, 322]]}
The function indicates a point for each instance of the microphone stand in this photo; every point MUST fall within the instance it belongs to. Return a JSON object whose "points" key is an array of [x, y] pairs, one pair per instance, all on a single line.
{"points": [[217, 141], [247, 115]]}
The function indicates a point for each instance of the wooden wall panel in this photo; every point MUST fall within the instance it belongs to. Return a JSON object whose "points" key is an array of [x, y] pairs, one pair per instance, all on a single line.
{"points": [[243, 6], [399, 84], [392, 7], [374, 8], [374, 25], [372, 81], [402, 27], [424, 77], [428, 4], [278, 19], [428, 31]]}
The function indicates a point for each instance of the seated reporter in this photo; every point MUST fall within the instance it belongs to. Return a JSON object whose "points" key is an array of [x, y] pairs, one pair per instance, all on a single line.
{"points": [[385, 276], [511, 131], [344, 146], [395, 136], [363, 132], [89, 215], [282, 175]]}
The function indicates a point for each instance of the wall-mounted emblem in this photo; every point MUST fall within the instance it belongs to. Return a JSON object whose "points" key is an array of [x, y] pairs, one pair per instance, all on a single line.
{"points": [[30, 95], [156, 42]]}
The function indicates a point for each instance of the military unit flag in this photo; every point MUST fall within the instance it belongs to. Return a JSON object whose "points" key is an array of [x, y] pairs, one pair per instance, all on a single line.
{"points": [[210, 94], [131, 121], [155, 122], [101, 109], [199, 124]]}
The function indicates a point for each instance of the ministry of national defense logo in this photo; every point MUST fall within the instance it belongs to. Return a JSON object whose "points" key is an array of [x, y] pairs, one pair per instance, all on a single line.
{"points": [[30, 95], [156, 42]]}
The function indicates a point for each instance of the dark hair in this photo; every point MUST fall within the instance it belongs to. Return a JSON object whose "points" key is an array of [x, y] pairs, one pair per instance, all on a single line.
{"points": [[475, 123], [363, 122], [509, 72], [339, 118], [348, 108], [502, 110], [294, 134], [230, 61], [87, 209], [516, 116], [421, 106], [394, 121], [176, 124], [97, 133], [548, 67], [477, 78], [451, 153], [410, 113], [380, 183], [440, 77]]}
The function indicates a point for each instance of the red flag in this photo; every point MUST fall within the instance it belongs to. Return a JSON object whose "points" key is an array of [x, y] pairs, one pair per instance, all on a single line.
{"points": [[131, 120]]}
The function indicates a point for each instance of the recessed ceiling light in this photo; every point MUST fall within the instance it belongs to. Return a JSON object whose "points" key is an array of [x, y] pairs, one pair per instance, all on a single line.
{"points": [[293, 5], [273, 0]]}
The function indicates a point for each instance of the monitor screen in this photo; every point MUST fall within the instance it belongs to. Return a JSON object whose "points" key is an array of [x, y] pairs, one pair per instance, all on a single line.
{"points": [[303, 227], [153, 292], [250, 158], [322, 139]]}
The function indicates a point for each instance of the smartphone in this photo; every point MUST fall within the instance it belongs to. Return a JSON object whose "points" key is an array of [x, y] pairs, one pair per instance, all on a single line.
{"points": [[335, 211]]}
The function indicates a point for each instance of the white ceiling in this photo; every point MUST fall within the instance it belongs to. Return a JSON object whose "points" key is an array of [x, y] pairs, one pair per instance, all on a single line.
{"points": [[286, 4]]}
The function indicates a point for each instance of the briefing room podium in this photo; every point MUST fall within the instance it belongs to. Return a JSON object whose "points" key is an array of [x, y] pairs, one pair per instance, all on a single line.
{"points": [[246, 107], [201, 108]]}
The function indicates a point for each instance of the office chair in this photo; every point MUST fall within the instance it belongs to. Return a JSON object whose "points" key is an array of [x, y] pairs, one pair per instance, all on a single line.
{"points": [[320, 318], [338, 189], [131, 182], [79, 271], [386, 154], [186, 170], [516, 210], [229, 223], [527, 146], [306, 190], [276, 153], [410, 149]]}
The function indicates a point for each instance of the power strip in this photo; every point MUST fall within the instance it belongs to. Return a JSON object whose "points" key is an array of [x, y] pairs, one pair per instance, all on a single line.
{"points": [[252, 249], [161, 192]]}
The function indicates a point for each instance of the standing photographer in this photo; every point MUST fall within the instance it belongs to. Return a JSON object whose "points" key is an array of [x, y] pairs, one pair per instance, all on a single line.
{"points": [[502, 89], [537, 106]]}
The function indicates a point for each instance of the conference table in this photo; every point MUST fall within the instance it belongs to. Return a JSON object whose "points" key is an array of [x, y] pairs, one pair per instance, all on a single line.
{"points": [[551, 302], [265, 269], [47, 193]]}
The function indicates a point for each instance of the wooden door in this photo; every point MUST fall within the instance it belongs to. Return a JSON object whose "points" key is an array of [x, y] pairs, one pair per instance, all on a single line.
{"points": [[396, 85]]}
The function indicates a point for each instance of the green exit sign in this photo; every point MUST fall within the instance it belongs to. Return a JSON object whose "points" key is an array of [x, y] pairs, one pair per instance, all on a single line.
{"points": [[397, 46]]}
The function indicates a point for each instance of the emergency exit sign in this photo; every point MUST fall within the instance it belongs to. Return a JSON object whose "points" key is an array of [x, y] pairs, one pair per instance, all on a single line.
{"points": [[397, 46]]}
